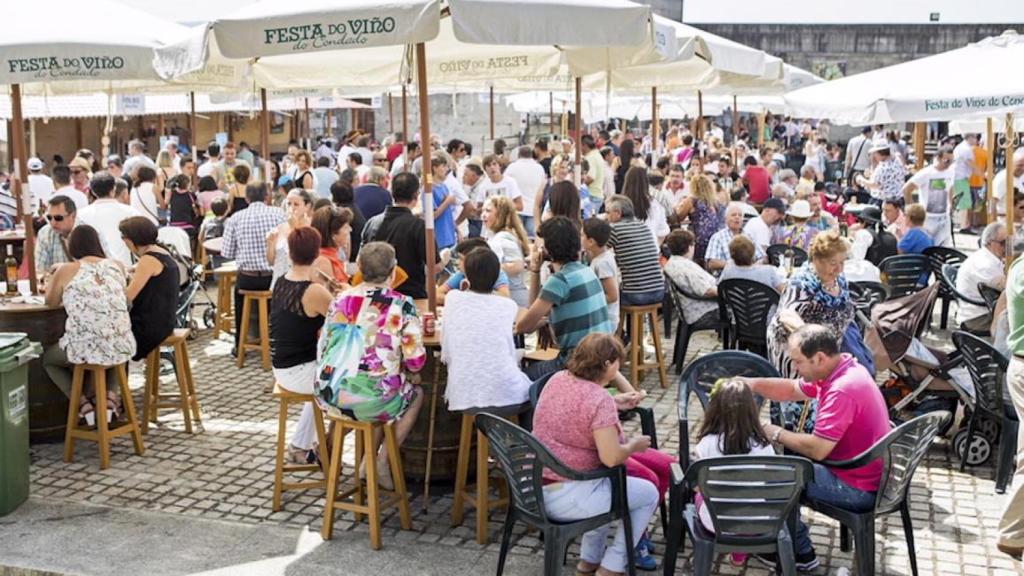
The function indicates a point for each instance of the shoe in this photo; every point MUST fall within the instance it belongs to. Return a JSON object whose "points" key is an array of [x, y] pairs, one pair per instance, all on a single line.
{"points": [[643, 559], [804, 562], [1012, 551], [645, 543]]}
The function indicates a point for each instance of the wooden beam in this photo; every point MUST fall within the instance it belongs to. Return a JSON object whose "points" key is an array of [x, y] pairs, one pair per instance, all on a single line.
{"points": [[551, 113], [491, 108], [579, 128], [405, 117], [193, 131], [264, 127], [990, 147], [78, 134], [920, 133], [1010, 137], [428, 196], [655, 126], [20, 184]]}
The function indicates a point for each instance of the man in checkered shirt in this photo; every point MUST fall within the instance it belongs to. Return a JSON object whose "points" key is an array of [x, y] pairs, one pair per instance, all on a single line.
{"points": [[245, 241]]}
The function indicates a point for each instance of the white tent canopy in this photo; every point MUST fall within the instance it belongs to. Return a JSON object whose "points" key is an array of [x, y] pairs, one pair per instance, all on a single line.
{"points": [[53, 46], [977, 80]]}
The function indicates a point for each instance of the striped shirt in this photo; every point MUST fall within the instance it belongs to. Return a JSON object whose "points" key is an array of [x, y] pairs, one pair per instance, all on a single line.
{"points": [[637, 257], [578, 305]]}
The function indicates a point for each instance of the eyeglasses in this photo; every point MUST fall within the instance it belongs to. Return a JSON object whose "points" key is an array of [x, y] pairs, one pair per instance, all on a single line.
{"points": [[55, 217], [77, 171]]}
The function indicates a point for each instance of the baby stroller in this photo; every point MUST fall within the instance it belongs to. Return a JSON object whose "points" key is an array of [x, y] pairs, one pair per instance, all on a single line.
{"points": [[922, 379], [190, 284]]}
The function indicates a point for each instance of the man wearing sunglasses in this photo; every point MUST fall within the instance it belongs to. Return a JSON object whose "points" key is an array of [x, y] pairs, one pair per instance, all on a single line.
{"points": [[51, 243]]}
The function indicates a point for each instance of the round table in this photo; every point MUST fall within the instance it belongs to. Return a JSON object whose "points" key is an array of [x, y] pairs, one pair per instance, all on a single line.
{"points": [[48, 406]]}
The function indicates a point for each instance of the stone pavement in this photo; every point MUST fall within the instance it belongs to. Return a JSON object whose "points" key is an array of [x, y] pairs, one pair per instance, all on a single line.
{"points": [[210, 493]]}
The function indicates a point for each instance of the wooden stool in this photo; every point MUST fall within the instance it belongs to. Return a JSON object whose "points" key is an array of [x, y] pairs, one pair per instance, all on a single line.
{"points": [[286, 399], [262, 298], [364, 450], [102, 434], [185, 400], [478, 496], [636, 315], [225, 319]]}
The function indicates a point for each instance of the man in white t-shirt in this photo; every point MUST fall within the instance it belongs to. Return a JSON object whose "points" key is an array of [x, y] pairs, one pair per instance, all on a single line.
{"points": [[984, 266], [760, 229], [105, 214], [934, 185], [530, 179], [136, 158], [62, 183], [999, 182], [498, 184], [39, 184], [212, 157]]}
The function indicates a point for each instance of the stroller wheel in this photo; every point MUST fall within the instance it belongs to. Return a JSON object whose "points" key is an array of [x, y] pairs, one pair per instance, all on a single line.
{"points": [[977, 453], [990, 428], [209, 316], [193, 329]]}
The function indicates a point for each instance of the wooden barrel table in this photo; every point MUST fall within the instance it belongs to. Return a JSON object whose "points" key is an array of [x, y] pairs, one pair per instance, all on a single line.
{"points": [[48, 406]]}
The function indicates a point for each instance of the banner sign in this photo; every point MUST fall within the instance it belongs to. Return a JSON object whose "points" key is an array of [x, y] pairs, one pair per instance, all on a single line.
{"points": [[130, 104]]}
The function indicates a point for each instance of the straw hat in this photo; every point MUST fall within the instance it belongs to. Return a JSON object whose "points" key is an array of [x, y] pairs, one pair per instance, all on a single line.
{"points": [[800, 209]]}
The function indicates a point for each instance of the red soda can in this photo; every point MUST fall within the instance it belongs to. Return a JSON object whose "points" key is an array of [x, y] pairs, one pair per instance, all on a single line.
{"points": [[429, 323]]}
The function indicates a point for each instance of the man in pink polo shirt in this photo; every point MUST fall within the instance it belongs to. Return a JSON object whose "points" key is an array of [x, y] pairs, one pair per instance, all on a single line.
{"points": [[852, 416]]}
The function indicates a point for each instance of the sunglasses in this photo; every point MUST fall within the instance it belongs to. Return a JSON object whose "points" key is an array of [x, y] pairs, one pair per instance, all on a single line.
{"points": [[55, 218], [77, 171]]}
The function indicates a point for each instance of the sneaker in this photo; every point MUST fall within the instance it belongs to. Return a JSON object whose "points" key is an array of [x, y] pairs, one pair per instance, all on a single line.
{"points": [[645, 543], [644, 560], [804, 562]]}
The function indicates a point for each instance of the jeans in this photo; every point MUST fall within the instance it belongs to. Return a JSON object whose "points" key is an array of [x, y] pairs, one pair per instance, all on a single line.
{"points": [[539, 369], [1011, 525], [567, 501], [642, 298], [246, 282], [528, 225], [827, 488], [475, 227]]}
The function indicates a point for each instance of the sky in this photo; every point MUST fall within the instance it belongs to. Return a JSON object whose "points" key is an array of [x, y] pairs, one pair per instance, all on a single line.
{"points": [[728, 11], [856, 12]]}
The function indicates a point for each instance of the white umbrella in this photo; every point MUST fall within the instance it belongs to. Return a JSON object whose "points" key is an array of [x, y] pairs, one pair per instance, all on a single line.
{"points": [[917, 91]]}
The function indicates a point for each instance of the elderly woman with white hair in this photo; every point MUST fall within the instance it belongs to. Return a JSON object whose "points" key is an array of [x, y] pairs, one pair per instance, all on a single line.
{"points": [[717, 254]]}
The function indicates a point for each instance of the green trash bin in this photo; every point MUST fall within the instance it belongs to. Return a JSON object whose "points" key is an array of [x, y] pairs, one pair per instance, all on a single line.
{"points": [[16, 350]]}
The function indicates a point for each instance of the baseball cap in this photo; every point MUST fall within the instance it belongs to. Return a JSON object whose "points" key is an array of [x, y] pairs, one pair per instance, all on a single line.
{"points": [[775, 204], [35, 164]]}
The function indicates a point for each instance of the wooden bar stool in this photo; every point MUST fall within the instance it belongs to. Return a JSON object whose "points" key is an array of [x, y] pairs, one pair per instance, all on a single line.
{"points": [[636, 315], [262, 299], [225, 320], [477, 496], [372, 506], [287, 399], [102, 434], [185, 399]]}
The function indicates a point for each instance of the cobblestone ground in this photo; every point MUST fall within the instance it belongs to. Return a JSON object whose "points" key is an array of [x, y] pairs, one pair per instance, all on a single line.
{"points": [[225, 472]]}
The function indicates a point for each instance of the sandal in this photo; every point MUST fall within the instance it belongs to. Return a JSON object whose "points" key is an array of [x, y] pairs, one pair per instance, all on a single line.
{"points": [[86, 411], [113, 406], [586, 568]]}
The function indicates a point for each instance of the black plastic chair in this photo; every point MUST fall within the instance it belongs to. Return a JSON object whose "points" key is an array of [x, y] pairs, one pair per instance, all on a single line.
{"points": [[903, 273], [901, 450], [937, 257], [987, 367], [990, 295], [523, 459], [699, 378], [753, 504], [748, 304], [684, 330], [948, 279], [775, 252]]}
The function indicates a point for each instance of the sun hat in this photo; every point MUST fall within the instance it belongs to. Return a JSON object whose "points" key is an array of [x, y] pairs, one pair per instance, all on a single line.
{"points": [[800, 209]]}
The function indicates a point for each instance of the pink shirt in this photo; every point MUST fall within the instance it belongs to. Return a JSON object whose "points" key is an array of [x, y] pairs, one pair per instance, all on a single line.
{"points": [[568, 412], [851, 413]]}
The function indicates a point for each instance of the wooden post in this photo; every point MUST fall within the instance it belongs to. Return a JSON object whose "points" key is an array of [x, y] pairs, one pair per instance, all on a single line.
{"points": [[551, 113], [161, 126], [700, 114], [308, 128], [490, 102], [405, 117], [735, 124], [78, 134], [1010, 136], [990, 145], [655, 127], [20, 184], [760, 130], [264, 127], [919, 137], [428, 197], [391, 114], [192, 130], [230, 118], [579, 128]]}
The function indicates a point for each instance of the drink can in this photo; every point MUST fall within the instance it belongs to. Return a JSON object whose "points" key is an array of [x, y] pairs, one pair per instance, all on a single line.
{"points": [[429, 323]]}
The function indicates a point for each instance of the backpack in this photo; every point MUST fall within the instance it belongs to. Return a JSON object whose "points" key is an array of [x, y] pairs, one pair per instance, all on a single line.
{"points": [[883, 245]]}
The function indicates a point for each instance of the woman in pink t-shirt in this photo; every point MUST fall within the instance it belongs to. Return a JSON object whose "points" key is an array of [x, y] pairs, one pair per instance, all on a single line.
{"points": [[578, 421]]}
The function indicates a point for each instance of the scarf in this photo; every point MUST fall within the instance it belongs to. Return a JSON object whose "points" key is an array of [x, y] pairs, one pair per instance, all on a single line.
{"points": [[807, 279]]}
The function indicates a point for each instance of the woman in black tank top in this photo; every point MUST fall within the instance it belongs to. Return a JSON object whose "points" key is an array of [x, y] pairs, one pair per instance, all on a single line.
{"points": [[297, 310], [153, 288]]}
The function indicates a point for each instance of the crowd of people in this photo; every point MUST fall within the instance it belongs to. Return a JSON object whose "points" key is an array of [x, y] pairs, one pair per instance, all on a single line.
{"points": [[529, 241]]}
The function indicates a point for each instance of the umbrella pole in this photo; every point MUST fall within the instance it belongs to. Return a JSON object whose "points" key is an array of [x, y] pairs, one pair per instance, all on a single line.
{"points": [[654, 124], [919, 136], [428, 216], [551, 113], [20, 185], [760, 129], [391, 114], [405, 117], [1010, 136], [194, 139], [490, 101], [990, 172], [700, 114], [735, 124], [579, 131], [264, 126], [308, 131]]}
